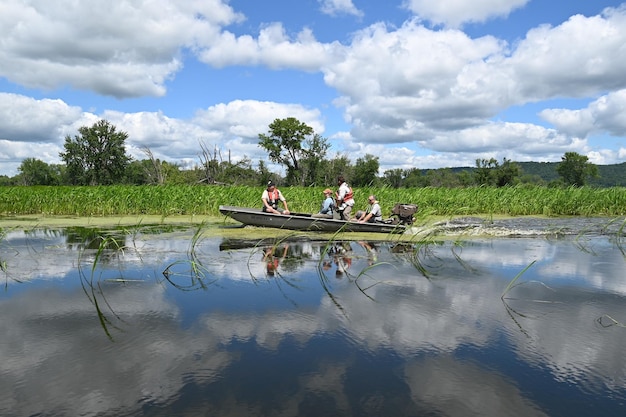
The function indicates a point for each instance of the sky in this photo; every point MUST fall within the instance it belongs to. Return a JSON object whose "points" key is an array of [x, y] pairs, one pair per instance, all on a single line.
{"points": [[416, 83]]}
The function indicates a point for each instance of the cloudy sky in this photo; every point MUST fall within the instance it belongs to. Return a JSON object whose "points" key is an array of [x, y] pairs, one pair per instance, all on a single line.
{"points": [[417, 83]]}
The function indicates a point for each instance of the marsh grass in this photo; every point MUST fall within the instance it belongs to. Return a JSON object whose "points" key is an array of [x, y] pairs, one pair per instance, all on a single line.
{"points": [[192, 269], [513, 283], [92, 285], [173, 200]]}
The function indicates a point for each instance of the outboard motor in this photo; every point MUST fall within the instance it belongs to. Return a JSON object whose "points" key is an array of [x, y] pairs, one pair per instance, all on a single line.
{"points": [[403, 213]]}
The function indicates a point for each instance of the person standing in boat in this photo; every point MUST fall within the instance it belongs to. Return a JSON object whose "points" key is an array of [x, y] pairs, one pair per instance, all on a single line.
{"points": [[328, 205], [372, 214], [270, 197], [345, 199]]}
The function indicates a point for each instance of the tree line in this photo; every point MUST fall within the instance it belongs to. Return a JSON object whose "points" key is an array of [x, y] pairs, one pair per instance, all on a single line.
{"points": [[97, 156]]}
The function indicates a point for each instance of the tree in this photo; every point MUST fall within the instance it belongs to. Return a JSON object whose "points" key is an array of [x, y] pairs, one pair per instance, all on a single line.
{"points": [[339, 165], [484, 172], [97, 156], [365, 171], [508, 173], [394, 177], [284, 143], [312, 160], [36, 172], [414, 177], [574, 169]]}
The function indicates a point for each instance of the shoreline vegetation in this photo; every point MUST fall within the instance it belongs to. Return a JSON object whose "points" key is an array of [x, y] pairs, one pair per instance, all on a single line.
{"points": [[202, 200]]}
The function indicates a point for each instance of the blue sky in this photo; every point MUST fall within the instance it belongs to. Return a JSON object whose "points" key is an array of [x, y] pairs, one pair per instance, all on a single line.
{"points": [[416, 83]]}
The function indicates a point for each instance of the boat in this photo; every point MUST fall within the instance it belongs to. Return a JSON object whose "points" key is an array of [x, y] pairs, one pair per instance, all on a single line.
{"points": [[305, 222]]}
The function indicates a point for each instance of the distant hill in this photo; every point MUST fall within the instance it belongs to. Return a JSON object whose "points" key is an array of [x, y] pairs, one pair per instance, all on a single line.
{"points": [[610, 175]]}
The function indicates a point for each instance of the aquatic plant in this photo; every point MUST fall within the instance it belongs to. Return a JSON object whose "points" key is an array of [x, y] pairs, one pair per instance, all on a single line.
{"points": [[91, 284], [513, 283], [192, 200], [192, 268]]}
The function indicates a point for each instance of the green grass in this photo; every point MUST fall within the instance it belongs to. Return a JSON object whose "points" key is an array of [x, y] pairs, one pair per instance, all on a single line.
{"points": [[205, 200]]}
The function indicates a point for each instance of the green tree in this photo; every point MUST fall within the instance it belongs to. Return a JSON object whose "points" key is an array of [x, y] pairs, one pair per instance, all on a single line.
{"points": [[97, 156], [442, 177], [394, 177], [36, 172], [414, 177], [484, 172], [137, 172], [339, 165], [288, 142], [365, 171], [263, 173], [312, 160], [575, 169], [508, 173]]}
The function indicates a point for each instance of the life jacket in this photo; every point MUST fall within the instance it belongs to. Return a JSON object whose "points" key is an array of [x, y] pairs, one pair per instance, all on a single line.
{"points": [[368, 210], [349, 195], [272, 198]]}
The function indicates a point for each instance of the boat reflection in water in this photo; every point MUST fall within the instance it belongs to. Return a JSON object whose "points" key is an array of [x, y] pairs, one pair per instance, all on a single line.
{"points": [[169, 324]]}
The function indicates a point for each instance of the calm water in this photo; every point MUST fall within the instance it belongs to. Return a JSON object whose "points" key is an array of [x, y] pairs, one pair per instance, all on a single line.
{"points": [[161, 322]]}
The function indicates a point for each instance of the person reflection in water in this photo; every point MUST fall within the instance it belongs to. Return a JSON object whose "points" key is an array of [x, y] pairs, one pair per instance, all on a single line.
{"points": [[342, 256], [272, 259], [372, 252]]}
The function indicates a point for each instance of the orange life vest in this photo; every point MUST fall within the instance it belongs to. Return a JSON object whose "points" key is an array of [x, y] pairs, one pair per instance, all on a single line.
{"points": [[272, 198], [349, 195]]}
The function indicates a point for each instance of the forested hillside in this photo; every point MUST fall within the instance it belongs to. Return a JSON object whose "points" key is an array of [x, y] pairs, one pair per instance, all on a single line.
{"points": [[609, 175]]}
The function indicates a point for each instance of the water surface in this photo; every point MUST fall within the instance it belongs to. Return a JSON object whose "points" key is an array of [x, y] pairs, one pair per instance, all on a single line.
{"points": [[154, 321]]}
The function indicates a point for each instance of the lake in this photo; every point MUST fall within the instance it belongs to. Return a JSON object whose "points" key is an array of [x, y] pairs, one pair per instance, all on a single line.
{"points": [[522, 317]]}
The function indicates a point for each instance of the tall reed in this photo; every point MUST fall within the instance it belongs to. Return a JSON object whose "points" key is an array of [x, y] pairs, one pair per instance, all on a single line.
{"points": [[205, 200]]}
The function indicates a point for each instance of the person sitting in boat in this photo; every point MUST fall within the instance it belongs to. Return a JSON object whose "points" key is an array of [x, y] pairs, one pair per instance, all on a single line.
{"points": [[372, 214], [270, 197], [328, 205], [345, 199]]}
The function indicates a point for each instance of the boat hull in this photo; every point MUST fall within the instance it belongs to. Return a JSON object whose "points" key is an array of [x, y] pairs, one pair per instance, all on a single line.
{"points": [[298, 221]]}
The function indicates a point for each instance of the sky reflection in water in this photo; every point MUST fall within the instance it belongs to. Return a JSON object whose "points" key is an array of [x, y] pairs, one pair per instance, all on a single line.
{"points": [[351, 328]]}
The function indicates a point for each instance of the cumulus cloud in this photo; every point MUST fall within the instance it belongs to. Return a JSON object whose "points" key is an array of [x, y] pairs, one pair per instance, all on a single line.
{"points": [[233, 126], [606, 114], [397, 86], [439, 88], [25, 119], [454, 13], [545, 65], [272, 48], [337, 7], [122, 49]]}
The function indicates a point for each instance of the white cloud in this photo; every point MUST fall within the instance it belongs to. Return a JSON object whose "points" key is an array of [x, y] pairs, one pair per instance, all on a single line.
{"points": [[427, 90], [545, 65], [232, 127], [273, 48], [606, 114], [337, 7], [441, 89], [453, 13], [28, 120], [121, 49]]}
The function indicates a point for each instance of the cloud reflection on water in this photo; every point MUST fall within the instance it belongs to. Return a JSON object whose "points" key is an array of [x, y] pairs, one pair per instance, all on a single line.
{"points": [[410, 331]]}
